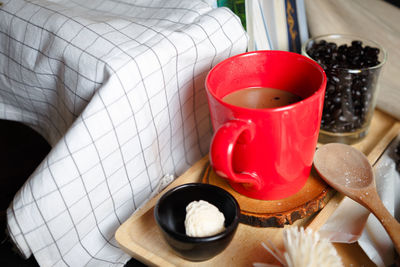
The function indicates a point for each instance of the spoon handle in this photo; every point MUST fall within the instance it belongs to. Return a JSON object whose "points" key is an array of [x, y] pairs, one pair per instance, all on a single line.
{"points": [[391, 225]]}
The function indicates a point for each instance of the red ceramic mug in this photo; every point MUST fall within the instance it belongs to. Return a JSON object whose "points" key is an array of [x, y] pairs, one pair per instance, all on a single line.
{"points": [[265, 153]]}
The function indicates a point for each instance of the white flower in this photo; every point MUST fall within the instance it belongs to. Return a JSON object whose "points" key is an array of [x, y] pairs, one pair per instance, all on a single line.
{"points": [[304, 248]]}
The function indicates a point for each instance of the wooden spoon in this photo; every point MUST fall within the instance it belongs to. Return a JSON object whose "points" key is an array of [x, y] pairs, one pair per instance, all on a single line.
{"points": [[348, 171]]}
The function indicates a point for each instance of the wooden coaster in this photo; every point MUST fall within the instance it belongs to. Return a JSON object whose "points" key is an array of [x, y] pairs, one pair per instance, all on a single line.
{"points": [[276, 213]]}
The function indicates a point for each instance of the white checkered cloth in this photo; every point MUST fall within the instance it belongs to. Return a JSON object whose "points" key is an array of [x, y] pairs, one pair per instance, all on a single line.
{"points": [[117, 88]]}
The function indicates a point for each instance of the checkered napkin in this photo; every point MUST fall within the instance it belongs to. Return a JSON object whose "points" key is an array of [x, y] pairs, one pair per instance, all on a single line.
{"points": [[117, 88]]}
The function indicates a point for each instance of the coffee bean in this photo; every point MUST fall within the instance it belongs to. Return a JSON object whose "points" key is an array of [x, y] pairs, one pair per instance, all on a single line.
{"points": [[396, 156], [348, 97]]}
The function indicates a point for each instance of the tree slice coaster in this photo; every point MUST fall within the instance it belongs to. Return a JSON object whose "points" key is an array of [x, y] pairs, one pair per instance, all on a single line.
{"points": [[276, 213]]}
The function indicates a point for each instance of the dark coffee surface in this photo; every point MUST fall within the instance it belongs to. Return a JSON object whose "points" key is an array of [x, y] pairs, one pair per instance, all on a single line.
{"points": [[260, 98]]}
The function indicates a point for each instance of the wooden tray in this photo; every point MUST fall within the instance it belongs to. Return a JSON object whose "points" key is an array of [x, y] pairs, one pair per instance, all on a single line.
{"points": [[140, 237]]}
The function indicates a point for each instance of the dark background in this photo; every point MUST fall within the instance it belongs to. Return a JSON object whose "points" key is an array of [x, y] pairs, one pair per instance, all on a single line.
{"points": [[21, 151]]}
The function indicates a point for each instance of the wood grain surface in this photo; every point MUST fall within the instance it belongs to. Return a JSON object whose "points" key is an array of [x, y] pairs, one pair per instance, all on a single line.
{"points": [[276, 213], [372, 19]]}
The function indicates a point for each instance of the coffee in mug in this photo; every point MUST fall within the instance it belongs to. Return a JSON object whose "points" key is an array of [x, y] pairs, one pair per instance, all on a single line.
{"points": [[261, 97]]}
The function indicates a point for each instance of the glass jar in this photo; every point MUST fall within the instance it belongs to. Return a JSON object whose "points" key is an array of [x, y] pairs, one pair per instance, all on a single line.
{"points": [[352, 65]]}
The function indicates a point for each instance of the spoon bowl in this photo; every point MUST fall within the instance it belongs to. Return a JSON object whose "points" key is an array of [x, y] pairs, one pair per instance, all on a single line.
{"points": [[348, 171]]}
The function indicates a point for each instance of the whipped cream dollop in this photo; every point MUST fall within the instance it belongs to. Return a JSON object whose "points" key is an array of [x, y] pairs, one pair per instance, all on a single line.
{"points": [[203, 219]]}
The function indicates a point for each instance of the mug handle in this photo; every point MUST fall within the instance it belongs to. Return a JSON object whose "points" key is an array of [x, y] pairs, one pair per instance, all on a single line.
{"points": [[221, 151]]}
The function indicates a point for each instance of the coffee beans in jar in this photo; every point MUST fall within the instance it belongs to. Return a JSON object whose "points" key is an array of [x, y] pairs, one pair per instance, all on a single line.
{"points": [[352, 68], [397, 156]]}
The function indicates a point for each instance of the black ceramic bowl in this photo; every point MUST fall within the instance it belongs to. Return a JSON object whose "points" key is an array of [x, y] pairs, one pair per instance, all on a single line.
{"points": [[170, 213]]}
